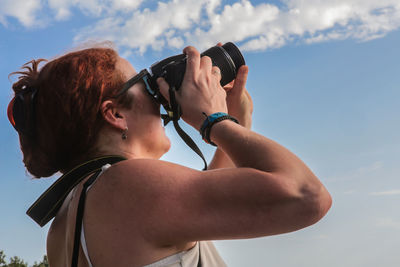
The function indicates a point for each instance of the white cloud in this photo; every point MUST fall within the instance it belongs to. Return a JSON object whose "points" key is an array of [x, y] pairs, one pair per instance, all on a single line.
{"points": [[389, 223], [175, 23], [23, 10], [154, 28], [96, 8], [31, 12], [321, 237], [386, 193], [377, 165], [349, 192], [238, 22], [370, 170], [255, 27]]}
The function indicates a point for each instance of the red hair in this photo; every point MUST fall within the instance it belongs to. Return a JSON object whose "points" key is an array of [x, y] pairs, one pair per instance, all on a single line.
{"points": [[70, 90]]}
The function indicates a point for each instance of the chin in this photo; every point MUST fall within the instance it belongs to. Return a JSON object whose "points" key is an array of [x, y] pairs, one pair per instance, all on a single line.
{"points": [[167, 145], [164, 147]]}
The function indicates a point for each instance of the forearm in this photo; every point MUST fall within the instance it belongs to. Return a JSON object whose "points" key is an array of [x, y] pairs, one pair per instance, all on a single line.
{"points": [[249, 149]]}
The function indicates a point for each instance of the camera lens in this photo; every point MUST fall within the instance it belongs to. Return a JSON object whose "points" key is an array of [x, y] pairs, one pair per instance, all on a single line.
{"points": [[228, 59]]}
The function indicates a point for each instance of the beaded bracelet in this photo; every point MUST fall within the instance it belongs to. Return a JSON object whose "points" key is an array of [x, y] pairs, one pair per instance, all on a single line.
{"points": [[210, 121]]}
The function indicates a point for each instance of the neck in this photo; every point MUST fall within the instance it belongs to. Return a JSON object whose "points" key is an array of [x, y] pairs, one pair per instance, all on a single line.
{"points": [[128, 148]]}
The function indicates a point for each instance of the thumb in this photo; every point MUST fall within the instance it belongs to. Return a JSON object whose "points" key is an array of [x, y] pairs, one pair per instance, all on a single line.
{"points": [[164, 87], [240, 81]]}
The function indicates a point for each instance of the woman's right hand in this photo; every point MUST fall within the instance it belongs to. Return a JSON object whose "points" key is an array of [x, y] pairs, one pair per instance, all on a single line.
{"points": [[200, 91]]}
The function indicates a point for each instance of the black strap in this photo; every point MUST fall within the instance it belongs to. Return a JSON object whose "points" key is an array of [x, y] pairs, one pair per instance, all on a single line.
{"points": [[176, 114], [48, 204], [79, 218], [199, 264]]}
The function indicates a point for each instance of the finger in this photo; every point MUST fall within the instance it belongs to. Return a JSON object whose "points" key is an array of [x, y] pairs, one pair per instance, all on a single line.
{"points": [[215, 71], [219, 44], [241, 78], [247, 94], [193, 61], [229, 86], [250, 101], [164, 87], [206, 64]]}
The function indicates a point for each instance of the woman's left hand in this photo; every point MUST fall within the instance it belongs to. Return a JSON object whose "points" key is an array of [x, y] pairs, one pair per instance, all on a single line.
{"points": [[238, 99]]}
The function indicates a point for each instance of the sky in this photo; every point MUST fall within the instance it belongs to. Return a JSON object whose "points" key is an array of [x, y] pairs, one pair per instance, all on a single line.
{"points": [[324, 78]]}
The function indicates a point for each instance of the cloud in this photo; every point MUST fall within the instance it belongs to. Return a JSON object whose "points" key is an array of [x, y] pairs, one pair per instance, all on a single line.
{"points": [[386, 193], [377, 165], [95, 8], [254, 26], [148, 28], [350, 192], [137, 26], [389, 223], [31, 13], [321, 237], [22, 10], [362, 172]]}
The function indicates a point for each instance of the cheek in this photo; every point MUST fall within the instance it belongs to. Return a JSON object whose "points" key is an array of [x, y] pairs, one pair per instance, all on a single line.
{"points": [[139, 105]]}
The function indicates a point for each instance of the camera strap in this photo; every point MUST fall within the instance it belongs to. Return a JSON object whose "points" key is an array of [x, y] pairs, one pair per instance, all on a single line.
{"points": [[47, 205], [174, 114]]}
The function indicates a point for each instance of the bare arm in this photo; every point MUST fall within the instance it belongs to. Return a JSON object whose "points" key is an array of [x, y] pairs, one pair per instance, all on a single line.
{"points": [[240, 106], [171, 204]]}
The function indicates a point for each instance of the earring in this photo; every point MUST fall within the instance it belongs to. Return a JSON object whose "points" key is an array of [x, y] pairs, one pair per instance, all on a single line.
{"points": [[125, 134]]}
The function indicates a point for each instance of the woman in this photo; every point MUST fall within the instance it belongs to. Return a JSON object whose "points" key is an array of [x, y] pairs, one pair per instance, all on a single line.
{"points": [[144, 211]]}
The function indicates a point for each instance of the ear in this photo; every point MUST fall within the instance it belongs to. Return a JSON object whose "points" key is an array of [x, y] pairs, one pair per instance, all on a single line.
{"points": [[113, 115]]}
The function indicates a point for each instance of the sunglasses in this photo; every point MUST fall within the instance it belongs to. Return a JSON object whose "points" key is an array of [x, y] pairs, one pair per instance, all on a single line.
{"points": [[17, 111], [144, 76], [150, 86]]}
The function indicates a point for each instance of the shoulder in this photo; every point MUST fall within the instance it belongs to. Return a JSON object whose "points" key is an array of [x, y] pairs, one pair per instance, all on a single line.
{"points": [[146, 186], [145, 174], [137, 197]]}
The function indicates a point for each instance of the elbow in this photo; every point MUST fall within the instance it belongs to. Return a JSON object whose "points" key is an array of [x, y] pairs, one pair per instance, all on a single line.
{"points": [[316, 205]]}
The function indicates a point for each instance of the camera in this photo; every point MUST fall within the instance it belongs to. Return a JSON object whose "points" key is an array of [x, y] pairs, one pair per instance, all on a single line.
{"points": [[226, 57]]}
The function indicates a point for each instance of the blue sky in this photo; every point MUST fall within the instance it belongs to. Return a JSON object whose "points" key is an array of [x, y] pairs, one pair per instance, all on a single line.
{"points": [[324, 77]]}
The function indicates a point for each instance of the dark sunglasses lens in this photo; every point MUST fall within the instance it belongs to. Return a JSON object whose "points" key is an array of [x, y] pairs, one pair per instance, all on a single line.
{"points": [[10, 112], [16, 112], [19, 113]]}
